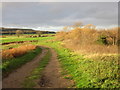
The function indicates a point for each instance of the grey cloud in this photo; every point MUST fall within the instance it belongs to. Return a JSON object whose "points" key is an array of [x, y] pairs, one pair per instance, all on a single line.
{"points": [[38, 14]]}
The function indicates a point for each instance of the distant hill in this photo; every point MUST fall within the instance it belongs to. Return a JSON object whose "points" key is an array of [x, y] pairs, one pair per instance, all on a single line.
{"points": [[11, 31]]}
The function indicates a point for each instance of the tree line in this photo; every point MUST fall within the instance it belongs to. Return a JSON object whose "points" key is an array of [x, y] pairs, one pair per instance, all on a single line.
{"points": [[12, 31]]}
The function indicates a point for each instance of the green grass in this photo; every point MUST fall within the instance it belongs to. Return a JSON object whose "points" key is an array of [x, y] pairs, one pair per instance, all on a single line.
{"points": [[87, 73], [36, 73], [5, 47], [101, 72], [13, 39], [12, 64]]}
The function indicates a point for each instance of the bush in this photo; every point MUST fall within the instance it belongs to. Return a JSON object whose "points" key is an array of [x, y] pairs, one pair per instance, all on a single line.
{"points": [[102, 40], [78, 38]]}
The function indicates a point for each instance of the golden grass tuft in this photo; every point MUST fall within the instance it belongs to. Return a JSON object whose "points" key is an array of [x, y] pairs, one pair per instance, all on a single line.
{"points": [[15, 52]]}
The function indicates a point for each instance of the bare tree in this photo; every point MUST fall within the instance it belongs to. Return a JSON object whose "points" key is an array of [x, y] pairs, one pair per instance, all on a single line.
{"points": [[19, 32], [77, 24], [113, 33]]}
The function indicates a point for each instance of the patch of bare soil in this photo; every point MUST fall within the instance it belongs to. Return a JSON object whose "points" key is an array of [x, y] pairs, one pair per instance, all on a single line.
{"points": [[15, 79], [51, 77]]}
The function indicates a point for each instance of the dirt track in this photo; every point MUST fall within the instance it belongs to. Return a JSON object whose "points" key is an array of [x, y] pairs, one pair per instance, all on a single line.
{"points": [[15, 79], [51, 77]]}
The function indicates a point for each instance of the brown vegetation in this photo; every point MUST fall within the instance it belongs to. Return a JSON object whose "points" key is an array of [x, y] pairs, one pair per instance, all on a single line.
{"points": [[2, 36], [88, 39], [15, 52]]}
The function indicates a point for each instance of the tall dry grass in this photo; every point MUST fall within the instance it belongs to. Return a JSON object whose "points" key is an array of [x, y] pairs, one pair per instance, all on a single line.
{"points": [[92, 49], [15, 52], [90, 40]]}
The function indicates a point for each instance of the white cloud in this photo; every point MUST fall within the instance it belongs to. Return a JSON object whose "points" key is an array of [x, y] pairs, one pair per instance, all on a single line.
{"points": [[106, 27], [42, 28], [50, 28]]}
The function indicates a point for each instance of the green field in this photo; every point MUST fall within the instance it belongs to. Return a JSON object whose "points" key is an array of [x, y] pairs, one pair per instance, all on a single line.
{"points": [[13, 39], [101, 72]]}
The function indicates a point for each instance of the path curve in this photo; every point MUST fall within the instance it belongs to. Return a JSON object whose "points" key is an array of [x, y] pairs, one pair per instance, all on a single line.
{"points": [[15, 79], [51, 77]]}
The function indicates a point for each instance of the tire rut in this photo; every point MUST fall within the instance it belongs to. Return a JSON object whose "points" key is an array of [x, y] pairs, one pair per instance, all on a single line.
{"points": [[51, 76], [15, 79]]}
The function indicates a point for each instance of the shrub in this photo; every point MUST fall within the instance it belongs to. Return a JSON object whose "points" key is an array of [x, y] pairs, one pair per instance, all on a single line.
{"points": [[88, 36], [102, 40]]}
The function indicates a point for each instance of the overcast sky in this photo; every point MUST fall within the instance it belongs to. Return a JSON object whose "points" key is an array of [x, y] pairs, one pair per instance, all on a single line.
{"points": [[53, 16]]}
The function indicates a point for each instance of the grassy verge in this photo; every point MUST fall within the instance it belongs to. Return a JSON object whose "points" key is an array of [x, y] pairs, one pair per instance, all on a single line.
{"points": [[36, 73], [14, 63], [87, 73]]}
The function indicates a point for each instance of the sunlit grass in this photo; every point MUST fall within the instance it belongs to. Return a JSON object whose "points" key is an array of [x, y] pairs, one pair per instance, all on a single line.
{"points": [[9, 39], [29, 82], [87, 72], [15, 52], [92, 71]]}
